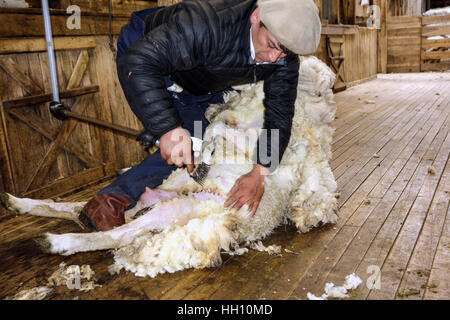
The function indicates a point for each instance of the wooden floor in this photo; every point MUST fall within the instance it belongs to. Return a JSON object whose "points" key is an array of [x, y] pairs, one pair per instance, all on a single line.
{"points": [[390, 158]]}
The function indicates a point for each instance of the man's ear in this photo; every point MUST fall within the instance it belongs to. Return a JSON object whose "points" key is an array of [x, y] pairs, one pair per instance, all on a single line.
{"points": [[254, 18]]}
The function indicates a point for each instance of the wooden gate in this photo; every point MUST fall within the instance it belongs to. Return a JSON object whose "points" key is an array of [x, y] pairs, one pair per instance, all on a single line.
{"points": [[41, 156], [435, 52], [418, 43]]}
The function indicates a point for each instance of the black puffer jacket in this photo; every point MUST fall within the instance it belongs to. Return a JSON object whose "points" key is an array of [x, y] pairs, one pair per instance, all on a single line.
{"points": [[205, 47]]}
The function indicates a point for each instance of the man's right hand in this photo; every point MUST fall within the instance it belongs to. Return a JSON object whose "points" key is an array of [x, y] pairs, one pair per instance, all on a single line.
{"points": [[176, 148]]}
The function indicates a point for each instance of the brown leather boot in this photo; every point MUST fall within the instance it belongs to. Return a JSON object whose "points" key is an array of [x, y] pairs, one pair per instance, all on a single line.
{"points": [[105, 211]]}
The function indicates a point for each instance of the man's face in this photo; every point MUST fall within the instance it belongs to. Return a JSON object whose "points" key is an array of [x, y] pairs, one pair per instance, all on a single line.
{"points": [[267, 48]]}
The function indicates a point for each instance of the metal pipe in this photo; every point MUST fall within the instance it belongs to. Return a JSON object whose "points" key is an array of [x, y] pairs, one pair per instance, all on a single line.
{"points": [[50, 52], [115, 127]]}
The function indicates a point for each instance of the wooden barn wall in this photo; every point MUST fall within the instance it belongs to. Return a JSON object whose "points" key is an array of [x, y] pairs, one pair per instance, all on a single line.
{"points": [[41, 156], [359, 51], [409, 50], [99, 6], [406, 7], [403, 35]]}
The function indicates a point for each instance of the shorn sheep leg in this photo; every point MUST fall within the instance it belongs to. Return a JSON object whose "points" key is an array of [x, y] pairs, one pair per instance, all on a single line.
{"points": [[71, 210], [174, 212], [42, 208]]}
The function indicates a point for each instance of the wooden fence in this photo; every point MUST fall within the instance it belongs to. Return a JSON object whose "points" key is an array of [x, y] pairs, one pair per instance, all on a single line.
{"points": [[411, 50]]}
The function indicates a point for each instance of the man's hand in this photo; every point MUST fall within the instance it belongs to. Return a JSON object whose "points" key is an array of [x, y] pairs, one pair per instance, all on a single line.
{"points": [[176, 148], [248, 189]]}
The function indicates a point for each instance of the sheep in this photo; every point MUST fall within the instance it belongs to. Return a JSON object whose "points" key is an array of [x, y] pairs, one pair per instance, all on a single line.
{"points": [[183, 224]]}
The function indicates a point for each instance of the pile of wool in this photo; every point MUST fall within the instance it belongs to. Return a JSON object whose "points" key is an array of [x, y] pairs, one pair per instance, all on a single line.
{"points": [[352, 282], [73, 276]]}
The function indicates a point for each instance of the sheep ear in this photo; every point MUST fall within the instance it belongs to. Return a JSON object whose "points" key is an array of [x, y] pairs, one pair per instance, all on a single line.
{"points": [[147, 189]]}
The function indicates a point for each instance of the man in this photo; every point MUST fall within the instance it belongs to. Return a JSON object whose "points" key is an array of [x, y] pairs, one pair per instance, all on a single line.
{"points": [[205, 47]]}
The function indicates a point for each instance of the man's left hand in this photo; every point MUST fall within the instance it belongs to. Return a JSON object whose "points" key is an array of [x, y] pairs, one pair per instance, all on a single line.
{"points": [[248, 189]]}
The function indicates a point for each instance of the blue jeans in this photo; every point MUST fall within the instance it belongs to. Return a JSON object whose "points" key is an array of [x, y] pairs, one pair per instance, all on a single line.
{"points": [[153, 169]]}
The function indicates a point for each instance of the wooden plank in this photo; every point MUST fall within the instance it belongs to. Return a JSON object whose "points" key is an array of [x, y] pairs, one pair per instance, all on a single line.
{"points": [[45, 164], [402, 19], [421, 261], [382, 243], [368, 115], [345, 151], [214, 281], [408, 122], [399, 255], [400, 68], [403, 51], [438, 286], [435, 31], [31, 25], [118, 7], [348, 12], [47, 97], [5, 161], [347, 185], [368, 120], [62, 12], [13, 70], [405, 59], [364, 159], [361, 81], [435, 19], [435, 43], [441, 66], [116, 148], [436, 55], [253, 275], [402, 41], [412, 32], [72, 183], [332, 29], [404, 26], [13, 138], [37, 124], [21, 45], [350, 167], [78, 71]]}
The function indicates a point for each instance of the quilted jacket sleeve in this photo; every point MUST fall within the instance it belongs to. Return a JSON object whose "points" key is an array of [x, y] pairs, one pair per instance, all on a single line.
{"points": [[280, 90], [173, 46]]}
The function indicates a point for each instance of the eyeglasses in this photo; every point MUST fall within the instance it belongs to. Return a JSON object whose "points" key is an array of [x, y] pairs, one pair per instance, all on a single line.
{"points": [[279, 46]]}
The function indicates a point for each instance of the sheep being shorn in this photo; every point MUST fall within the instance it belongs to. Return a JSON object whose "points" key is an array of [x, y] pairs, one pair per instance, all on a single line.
{"points": [[186, 224]]}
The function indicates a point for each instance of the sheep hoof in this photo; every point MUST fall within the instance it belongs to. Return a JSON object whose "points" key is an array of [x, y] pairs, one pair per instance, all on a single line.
{"points": [[4, 200], [43, 243]]}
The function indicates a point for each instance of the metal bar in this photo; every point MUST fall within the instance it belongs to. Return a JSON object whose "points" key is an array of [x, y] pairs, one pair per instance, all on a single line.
{"points": [[50, 51], [102, 123], [47, 97]]}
